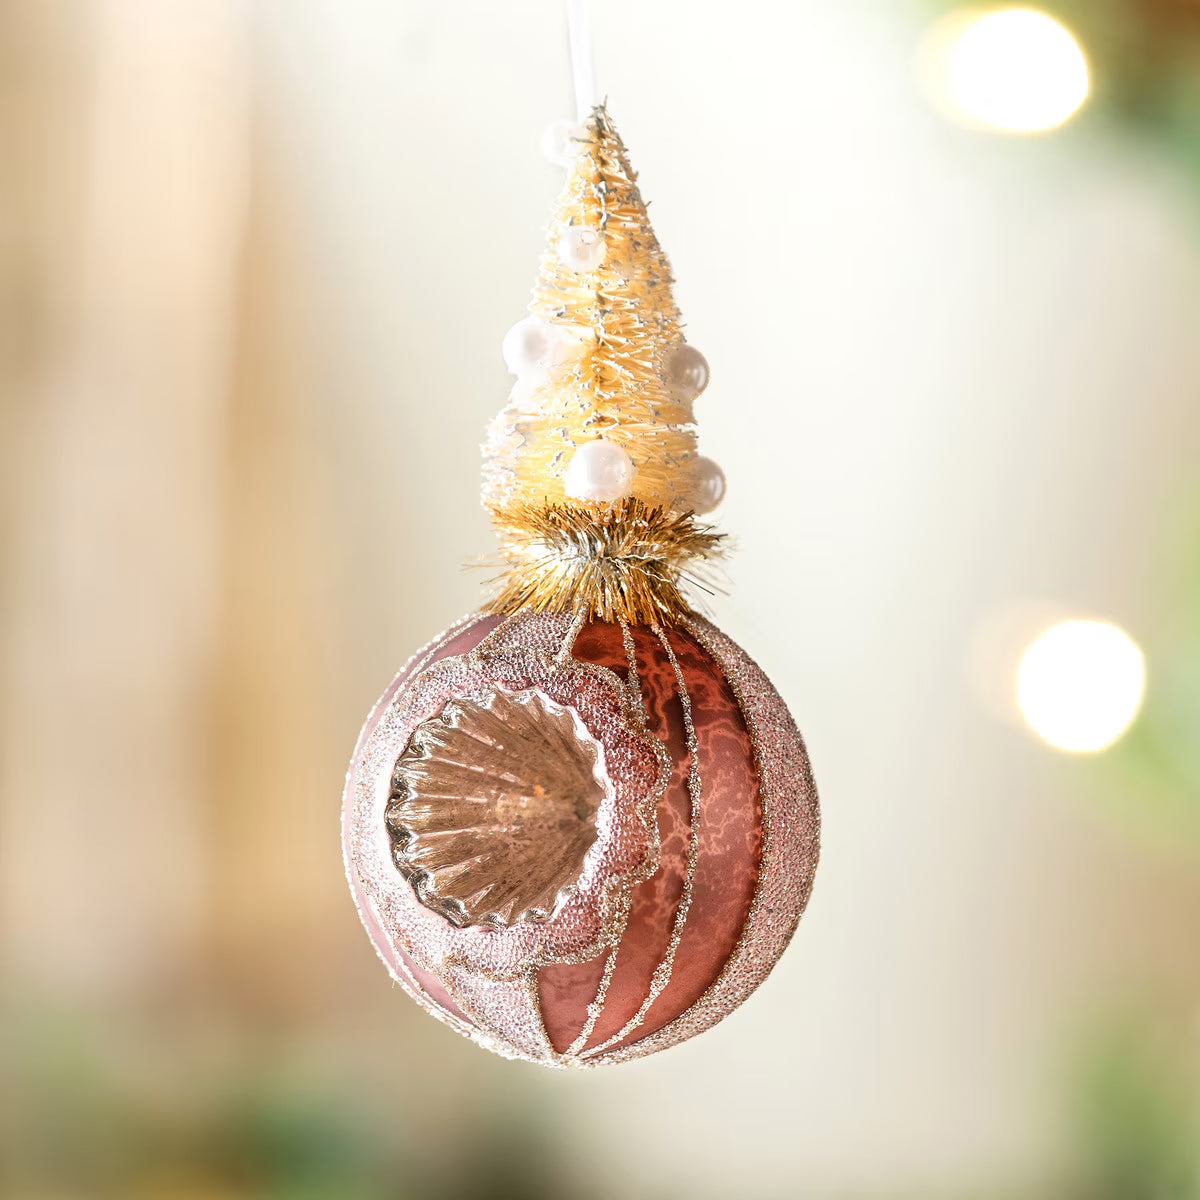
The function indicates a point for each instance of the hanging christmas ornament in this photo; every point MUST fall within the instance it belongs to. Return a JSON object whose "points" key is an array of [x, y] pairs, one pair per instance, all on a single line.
{"points": [[580, 826]]}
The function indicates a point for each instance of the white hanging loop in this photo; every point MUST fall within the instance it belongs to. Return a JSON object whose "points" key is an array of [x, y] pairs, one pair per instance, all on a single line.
{"points": [[583, 71]]}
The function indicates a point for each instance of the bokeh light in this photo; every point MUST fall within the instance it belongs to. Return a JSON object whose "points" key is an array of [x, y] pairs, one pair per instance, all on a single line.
{"points": [[1080, 684], [1016, 70]]}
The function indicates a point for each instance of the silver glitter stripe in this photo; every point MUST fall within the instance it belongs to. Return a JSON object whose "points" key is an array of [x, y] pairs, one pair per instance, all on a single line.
{"points": [[634, 680], [790, 847], [597, 1005], [494, 638], [634, 684], [572, 634], [662, 973], [537, 633], [512, 1004]]}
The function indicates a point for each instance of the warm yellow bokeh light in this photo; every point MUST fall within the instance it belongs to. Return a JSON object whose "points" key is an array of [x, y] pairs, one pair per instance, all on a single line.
{"points": [[1012, 69], [1080, 684]]}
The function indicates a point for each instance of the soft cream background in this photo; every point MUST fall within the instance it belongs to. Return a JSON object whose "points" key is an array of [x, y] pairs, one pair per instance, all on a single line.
{"points": [[259, 258]]}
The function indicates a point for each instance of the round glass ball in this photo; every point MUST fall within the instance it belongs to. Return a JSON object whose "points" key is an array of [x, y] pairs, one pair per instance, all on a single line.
{"points": [[535, 345], [708, 794], [581, 248], [708, 484], [561, 140], [599, 471], [687, 372]]}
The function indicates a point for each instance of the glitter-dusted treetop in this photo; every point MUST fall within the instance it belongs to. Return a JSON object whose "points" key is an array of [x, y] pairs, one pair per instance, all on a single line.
{"points": [[595, 454]]}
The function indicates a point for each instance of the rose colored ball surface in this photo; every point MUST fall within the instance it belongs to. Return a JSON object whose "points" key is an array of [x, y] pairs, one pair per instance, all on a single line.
{"points": [[633, 893]]}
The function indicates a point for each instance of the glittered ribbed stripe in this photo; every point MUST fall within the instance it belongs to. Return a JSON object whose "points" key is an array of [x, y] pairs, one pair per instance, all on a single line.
{"points": [[509, 1005], [662, 973], [790, 849], [596, 1007]]}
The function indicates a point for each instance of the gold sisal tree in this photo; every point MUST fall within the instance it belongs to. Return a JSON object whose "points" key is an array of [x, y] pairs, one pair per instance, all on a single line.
{"points": [[591, 472]]}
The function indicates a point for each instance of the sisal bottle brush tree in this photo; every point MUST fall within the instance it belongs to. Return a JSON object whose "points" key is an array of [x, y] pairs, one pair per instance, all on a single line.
{"points": [[591, 472]]}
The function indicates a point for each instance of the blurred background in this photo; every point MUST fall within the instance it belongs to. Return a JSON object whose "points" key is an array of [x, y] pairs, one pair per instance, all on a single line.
{"points": [[256, 260]]}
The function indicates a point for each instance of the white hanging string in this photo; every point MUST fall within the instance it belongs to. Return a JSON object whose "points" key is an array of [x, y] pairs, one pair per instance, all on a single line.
{"points": [[583, 71]]}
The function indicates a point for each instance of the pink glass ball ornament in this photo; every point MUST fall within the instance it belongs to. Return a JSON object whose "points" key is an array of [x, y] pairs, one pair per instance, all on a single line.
{"points": [[631, 857]]}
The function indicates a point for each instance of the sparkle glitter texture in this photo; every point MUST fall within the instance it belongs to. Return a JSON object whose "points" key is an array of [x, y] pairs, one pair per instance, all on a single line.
{"points": [[490, 977]]}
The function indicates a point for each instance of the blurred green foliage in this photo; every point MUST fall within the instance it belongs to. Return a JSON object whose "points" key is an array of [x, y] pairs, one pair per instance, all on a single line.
{"points": [[226, 1112], [1150, 780], [1136, 1113], [89, 1110]]}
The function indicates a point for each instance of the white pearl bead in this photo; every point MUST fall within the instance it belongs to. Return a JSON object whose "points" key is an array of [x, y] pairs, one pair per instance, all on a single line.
{"points": [[599, 470], [708, 484], [560, 141], [535, 345], [687, 371], [581, 248]]}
